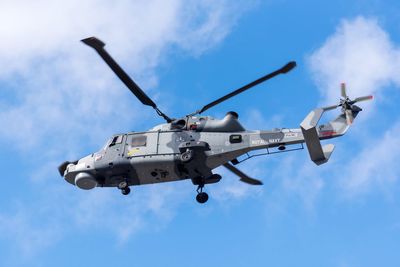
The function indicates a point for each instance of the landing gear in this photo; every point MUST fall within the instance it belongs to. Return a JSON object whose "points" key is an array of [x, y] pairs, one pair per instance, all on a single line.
{"points": [[123, 186], [201, 197]]}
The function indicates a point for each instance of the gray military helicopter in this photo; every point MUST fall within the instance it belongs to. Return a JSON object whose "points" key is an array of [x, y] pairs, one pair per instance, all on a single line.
{"points": [[191, 147]]}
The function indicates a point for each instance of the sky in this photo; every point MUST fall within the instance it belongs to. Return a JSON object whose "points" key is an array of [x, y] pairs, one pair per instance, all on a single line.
{"points": [[59, 101]]}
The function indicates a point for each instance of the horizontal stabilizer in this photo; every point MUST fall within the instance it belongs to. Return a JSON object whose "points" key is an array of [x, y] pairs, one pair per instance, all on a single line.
{"points": [[327, 150], [243, 177]]}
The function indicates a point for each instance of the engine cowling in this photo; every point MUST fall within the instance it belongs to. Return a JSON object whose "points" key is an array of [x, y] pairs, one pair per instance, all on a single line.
{"points": [[229, 123]]}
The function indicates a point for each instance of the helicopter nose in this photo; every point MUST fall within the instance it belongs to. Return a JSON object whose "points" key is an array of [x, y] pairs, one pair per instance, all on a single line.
{"points": [[80, 172]]}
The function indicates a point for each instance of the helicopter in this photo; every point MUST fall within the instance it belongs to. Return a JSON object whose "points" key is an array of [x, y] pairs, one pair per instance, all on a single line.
{"points": [[192, 146]]}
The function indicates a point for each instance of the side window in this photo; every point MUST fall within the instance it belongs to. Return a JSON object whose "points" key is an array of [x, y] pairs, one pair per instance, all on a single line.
{"points": [[138, 140], [235, 138]]}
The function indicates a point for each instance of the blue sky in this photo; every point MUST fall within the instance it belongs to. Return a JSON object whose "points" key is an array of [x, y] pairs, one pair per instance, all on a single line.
{"points": [[59, 101]]}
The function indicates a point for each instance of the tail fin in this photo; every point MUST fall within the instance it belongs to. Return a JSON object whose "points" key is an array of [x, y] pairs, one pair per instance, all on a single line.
{"points": [[318, 154]]}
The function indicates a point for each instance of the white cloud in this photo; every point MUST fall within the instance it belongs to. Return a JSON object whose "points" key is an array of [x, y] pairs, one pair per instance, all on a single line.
{"points": [[359, 53], [362, 53], [297, 180], [59, 94], [375, 167], [137, 29], [65, 211], [125, 216], [58, 85]]}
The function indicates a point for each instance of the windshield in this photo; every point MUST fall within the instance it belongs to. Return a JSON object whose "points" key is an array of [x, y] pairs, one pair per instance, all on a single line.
{"points": [[113, 141], [106, 144]]}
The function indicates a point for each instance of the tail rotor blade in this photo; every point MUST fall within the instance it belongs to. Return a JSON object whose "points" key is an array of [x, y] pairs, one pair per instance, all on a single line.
{"points": [[362, 98], [343, 90], [330, 107]]}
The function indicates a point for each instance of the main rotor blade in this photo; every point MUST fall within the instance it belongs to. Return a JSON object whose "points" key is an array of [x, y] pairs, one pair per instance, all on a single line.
{"points": [[98, 45], [243, 177], [285, 69]]}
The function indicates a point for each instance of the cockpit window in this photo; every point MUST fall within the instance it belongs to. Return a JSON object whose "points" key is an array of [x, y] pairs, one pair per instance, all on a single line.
{"points": [[138, 140], [113, 141]]}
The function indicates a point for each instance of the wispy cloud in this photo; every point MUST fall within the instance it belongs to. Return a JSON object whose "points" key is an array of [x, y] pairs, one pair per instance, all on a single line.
{"points": [[34, 225], [145, 209], [375, 167], [362, 53], [59, 86], [61, 93], [138, 30], [359, 53]]}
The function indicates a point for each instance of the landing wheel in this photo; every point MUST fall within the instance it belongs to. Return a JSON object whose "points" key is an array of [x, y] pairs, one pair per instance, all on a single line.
{"points": [[125, 191], [187, 156], [202, 197]]}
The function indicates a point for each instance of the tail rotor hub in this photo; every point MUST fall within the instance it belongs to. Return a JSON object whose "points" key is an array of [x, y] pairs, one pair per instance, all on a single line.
{"points": [[349, 110]]}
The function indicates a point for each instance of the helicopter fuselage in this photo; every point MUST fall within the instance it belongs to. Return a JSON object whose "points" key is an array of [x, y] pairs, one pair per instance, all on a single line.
{"points": [[155, 156]]}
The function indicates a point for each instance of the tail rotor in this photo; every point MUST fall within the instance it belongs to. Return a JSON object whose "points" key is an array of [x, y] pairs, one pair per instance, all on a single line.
{"points": [[349, 109]]}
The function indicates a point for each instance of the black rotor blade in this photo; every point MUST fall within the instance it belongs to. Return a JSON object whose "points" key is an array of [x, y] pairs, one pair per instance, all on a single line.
{"points": [[243, 177], [285, 69], [63, 166], [98, 45]]}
